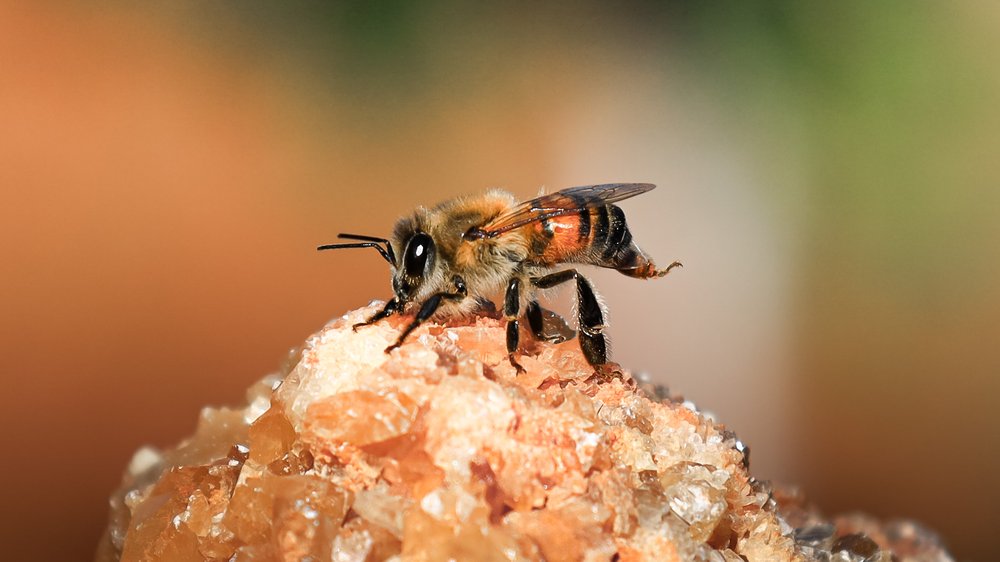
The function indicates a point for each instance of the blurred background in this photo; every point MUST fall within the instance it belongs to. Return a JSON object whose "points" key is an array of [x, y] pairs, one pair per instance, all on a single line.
{"points": [[828, 175]]}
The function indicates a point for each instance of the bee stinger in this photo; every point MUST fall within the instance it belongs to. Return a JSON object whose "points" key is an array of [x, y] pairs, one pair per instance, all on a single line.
{"points": [[467, 249]]}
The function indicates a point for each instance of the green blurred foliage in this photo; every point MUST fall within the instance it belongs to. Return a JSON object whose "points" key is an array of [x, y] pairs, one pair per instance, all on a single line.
{"points": [[895, 104]]}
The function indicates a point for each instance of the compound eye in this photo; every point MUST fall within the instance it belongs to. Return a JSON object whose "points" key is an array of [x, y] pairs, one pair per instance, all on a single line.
{"points": [[418, 252]]}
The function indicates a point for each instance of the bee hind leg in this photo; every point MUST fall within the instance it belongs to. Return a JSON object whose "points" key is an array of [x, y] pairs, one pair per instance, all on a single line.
{"points": [[593, 343]]}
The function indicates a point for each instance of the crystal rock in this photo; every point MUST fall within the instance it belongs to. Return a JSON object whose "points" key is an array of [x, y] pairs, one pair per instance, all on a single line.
{"points": [[441, 451]]}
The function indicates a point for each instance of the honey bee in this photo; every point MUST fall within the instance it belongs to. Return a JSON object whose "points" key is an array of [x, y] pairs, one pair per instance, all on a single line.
{"points": [[459, 253]]}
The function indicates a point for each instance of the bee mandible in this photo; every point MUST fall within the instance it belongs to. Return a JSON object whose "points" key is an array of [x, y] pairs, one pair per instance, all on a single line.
{"points": [[459, 253]]}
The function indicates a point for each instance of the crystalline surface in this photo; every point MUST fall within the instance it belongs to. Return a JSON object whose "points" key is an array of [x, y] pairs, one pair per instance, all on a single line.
{"points": [[440, 451]]}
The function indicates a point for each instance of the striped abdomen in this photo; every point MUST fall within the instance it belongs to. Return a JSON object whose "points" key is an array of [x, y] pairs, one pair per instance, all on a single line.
{"points": [[596, 235]]}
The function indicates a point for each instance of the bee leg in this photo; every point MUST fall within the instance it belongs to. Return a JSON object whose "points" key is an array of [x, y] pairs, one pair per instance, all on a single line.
{"points": [[592, 340], [389, 309], [558, 330], [428, 309], [511, 307], [590, 316], [535, 320]]}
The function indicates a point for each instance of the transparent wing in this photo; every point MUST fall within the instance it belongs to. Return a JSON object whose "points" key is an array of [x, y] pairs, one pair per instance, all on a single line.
{"points": [[565, 202]]}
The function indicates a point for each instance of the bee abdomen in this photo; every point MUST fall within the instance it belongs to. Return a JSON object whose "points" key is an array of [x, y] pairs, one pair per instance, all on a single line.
{"points": [[618, 236], [597, 235], [612, 242]]}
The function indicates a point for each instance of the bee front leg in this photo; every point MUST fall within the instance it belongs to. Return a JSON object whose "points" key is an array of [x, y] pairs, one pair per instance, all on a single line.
{"points": [[511, 307], [389, 309], [428, 309]]}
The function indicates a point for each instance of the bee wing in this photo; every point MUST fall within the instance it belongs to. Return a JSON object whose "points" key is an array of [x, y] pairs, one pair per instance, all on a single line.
{"points": [[565, 202]]}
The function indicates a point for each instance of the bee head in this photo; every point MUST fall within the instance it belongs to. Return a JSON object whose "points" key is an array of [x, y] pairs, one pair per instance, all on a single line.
{"points": [[416, 265]]}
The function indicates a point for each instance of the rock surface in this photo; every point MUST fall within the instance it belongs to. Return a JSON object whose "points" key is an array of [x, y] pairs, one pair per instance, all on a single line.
{"points": [[440, 451]]}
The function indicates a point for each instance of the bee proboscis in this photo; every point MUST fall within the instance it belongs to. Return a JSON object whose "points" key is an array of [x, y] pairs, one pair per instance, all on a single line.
{"points": [[463, 251]]}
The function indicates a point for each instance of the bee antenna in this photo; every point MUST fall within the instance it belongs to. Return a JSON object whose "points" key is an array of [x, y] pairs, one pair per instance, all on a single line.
{"points": [[364, 237], [388, 245], [387, 255]]}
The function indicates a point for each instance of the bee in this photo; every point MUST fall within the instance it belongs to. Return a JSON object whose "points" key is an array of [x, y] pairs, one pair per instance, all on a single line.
{"points": [[459, 253]]}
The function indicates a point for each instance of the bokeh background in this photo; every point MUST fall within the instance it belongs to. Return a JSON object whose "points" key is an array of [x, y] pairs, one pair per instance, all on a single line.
{"points": [[828, 173]]}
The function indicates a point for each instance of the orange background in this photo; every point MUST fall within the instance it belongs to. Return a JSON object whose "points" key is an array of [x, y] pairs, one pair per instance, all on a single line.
{"points": [[827, 174]]}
